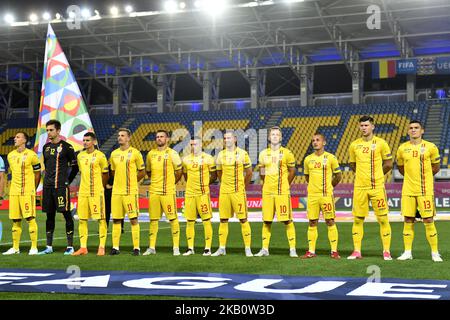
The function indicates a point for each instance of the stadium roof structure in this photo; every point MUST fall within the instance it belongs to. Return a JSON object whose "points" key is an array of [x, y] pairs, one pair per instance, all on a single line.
{"points": [[249, 35]]}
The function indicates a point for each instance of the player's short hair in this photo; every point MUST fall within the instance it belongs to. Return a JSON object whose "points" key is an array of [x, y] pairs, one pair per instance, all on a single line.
{"points": [[55, 123], [416, 121], [320, 134], [275, 128], [128, 131], [231, 131], [25, 135], [366, 118], [91, 134], [164, 131]]}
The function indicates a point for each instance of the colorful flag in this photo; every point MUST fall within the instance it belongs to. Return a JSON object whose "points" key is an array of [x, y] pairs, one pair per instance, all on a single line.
{"points": [[61, 98], [383, 69]]}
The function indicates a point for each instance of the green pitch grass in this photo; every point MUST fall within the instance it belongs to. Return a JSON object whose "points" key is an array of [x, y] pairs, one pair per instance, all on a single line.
{"points": [[279, 262]]}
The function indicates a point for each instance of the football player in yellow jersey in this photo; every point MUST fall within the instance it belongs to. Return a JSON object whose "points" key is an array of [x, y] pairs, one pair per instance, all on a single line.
{"points": [[164, 167], [26, 174], [199, 171], [418, 161], [128, 168], [322, 173], [94, 170], [370, 159], [277, 171], [234, 169]]}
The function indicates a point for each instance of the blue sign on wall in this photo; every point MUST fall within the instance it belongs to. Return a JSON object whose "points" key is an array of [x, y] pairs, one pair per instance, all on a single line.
{"points": [[443, 65], [406, 66]]}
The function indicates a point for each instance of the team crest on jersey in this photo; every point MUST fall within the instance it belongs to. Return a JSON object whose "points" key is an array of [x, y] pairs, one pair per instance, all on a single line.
{"points": [[374, 146], [59, 149], [166, 156], [325, 160], [422, 150], [47, 149]]}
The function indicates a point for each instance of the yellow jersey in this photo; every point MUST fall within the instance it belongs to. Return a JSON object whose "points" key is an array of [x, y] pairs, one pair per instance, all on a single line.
{"points": [[92, 166], [162, 166], [369, 156], [125, 165], [197, 169], [417, 160], [320, 170], [22, 166], [232, 165], [274, 164]]}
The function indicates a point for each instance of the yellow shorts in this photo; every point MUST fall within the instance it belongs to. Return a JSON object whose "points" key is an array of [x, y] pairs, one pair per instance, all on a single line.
{"points": [[378, 199], [91, 207], [157, 204], [279, 204], [425, 204], [22, 207], [319, 203], [231, 203], [200, 204], [124, 204]]}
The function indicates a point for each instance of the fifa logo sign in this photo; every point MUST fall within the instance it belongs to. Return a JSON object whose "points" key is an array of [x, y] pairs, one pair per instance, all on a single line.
{"points": [[373, 22]]}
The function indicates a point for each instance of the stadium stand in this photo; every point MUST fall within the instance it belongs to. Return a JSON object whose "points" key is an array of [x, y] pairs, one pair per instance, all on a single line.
{"points": [[338, 123]]}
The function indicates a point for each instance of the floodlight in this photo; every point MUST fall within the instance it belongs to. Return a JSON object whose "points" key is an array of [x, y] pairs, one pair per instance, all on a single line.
{"points": [[114, 11], [128, 9], [170, 6], [86, 13], [46, 16], [9, 18], [33, 17]]}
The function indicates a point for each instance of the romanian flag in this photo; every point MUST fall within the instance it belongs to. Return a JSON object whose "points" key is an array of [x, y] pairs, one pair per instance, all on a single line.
{"points": [[383, 69]]}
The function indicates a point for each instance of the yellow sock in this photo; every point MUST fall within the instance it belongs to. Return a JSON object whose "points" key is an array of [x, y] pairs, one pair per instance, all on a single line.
{"points": [[16, 234], [208, 233], [246, 234], [312, 238], [266, 233], [432, 236], [83, 233], [136, 234], [102, 232], [153, 234], [357, 233], [333, 237], [290, 232], [223, 234], [175, 226], [190, 234], [408, 235], [116, 233], [33, 231], [385, 232]]}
